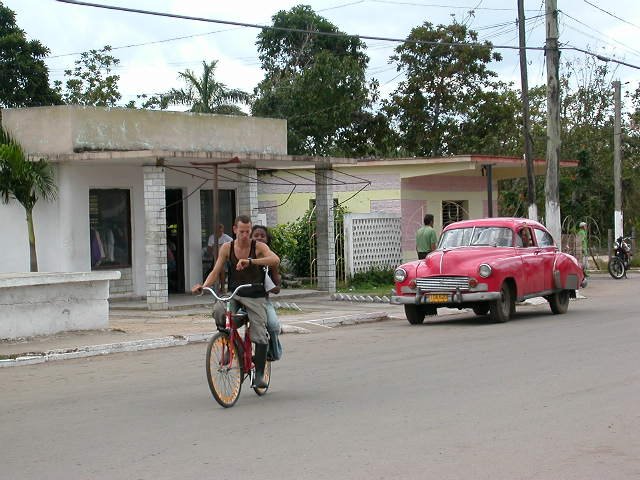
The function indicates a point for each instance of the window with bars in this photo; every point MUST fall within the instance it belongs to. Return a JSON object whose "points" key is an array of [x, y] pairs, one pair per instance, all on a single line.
{"points": [[454, 211]]}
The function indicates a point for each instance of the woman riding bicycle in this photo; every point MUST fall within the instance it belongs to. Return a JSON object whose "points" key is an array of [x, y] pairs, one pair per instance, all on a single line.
{"points": [[260, 233], [246, 258]]}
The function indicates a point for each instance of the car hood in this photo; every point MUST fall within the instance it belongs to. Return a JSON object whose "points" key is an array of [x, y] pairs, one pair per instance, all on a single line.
{"points": [[459, 261]]}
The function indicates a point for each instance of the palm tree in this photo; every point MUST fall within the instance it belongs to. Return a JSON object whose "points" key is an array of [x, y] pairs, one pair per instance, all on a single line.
{"points": [[204, 94], [25, 181]]}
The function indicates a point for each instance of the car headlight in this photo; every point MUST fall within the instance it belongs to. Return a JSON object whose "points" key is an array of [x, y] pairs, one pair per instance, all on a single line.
{"points": [[400, 275], [484, 270]]}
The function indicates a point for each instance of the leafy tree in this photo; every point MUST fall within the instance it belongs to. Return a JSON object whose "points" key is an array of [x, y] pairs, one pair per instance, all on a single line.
{"points": [[631, 164], [492, 125], [91, 81], [24, 77], [204, 94], [316, 82], [447, 88], [25, 181], [586, 192]]}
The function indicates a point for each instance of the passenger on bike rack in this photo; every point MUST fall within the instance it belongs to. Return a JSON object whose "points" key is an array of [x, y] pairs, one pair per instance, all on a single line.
{"points": [[246, 258]]}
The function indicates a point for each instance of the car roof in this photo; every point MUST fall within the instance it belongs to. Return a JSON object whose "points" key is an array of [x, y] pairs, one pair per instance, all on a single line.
{"points": [[510, 222]]}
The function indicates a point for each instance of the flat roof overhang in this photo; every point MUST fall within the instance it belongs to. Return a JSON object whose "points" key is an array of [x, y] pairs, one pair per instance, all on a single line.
{"points": [[198, 158], [502, 167]]}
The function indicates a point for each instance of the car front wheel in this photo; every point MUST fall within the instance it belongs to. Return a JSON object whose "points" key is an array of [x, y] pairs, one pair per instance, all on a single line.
{"points": [[500, 310], [414, 313], [481, 309]]}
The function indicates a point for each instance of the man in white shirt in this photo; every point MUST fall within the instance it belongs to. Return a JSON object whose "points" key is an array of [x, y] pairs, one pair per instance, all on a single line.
{"points": [[222, 239]]}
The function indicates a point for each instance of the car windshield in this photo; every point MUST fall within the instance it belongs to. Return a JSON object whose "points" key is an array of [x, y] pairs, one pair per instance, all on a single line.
{"points": [[471, 236]]}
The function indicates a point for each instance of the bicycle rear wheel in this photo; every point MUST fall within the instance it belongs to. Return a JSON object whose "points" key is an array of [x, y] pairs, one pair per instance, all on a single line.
{"points": [[224, 369], [267, 378]]}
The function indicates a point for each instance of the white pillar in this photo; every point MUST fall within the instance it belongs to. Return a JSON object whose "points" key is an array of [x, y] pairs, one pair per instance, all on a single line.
{"points": [[248, 194], [155, 238], [325, 235]]}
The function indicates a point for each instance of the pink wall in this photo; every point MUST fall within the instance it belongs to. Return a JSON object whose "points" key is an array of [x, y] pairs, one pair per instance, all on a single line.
{"points": [[442, 183]]}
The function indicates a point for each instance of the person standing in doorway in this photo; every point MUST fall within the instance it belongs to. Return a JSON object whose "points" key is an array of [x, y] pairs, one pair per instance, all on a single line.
{"points": [[583, 238], [222, 239], [426, 237]]}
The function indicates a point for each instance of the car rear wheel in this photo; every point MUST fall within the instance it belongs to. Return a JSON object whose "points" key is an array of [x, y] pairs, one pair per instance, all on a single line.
{"points": [[414, 313], [481, 309], [559, 302], [501, 310]]}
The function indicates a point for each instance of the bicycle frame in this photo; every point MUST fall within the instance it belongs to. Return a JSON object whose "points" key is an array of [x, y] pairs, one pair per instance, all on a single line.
{"points": [[232, 323]]}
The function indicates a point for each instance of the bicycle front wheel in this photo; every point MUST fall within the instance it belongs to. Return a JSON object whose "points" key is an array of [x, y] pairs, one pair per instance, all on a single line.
{"points": [[224, 369]]}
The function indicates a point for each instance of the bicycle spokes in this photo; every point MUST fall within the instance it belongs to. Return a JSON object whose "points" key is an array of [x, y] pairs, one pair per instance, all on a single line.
{"points": [[224, 372]]}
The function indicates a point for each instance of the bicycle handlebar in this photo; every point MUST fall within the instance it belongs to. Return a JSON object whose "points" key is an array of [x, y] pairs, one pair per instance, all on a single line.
{"points": [[228, 297]]}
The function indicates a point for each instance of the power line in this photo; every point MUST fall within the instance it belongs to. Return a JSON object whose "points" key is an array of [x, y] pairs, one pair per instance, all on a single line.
{"points": [[611, 14], [435, 5], [600, 57], [291, 30], [336, 34], [149, 43], [596, 31]]}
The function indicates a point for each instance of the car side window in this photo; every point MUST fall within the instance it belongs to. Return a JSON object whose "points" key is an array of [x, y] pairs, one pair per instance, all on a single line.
{"points": [[524, 238], [543, 238]]}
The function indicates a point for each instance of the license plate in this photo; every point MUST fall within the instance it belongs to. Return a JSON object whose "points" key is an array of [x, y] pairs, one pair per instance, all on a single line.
{"points": [[438, 298]]}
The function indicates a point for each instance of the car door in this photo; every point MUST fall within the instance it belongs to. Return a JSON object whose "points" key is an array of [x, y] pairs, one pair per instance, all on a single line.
{"points": [[548, 251], [532, 261]]}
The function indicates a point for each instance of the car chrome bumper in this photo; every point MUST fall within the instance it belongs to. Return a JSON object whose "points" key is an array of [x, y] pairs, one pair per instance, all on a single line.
{"points": [[456, 298]]}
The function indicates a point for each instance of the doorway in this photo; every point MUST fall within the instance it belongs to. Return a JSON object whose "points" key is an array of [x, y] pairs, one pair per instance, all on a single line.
{"points": [[175, 240]]}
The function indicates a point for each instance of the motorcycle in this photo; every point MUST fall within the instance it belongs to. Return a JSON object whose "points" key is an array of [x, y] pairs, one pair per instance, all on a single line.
{"points": [[621, 259]]}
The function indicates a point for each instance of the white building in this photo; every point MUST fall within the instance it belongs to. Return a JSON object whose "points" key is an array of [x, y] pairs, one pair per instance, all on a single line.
{"points": [[134, 184]]}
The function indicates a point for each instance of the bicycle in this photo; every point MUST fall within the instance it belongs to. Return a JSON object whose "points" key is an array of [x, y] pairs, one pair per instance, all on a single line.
{"points": [[229, 355]]}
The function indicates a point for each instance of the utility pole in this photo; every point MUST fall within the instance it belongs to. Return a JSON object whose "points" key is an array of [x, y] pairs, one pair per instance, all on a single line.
{"points": [[528, 146], [617, 163], [552, 200]]}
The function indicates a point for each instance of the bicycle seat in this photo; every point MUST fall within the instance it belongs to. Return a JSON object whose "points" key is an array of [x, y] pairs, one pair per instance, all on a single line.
{"points": [[240, 317]]}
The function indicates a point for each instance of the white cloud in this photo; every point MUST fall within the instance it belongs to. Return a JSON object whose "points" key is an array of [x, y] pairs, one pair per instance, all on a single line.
{"points": [[153, 67]]}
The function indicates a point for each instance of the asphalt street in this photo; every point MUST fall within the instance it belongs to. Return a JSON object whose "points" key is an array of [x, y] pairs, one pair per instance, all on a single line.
{"points": [[539, 397]]}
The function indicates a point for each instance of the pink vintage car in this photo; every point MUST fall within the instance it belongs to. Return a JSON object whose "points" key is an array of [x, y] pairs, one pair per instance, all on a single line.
{"points": [[488, 265]]}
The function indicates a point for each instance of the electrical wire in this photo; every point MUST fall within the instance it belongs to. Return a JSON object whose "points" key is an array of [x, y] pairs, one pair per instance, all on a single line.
{"points": [[611, 14], [337, 34], [290, 30]]}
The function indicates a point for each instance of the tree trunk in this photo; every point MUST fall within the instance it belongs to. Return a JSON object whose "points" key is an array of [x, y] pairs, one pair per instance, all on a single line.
{"points": [[32, 242]]}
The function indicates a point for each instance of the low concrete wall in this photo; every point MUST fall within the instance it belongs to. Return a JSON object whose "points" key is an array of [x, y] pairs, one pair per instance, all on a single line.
{"points": [[47, 303], [74, 128]]}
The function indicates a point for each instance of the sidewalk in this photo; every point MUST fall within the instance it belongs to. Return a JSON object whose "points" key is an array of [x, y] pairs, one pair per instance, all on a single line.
{"points": [[132, 327], [188, 320]]}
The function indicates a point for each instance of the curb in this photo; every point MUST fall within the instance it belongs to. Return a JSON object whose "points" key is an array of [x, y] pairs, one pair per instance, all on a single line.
{"points": [[349, 319], [33, 358]]}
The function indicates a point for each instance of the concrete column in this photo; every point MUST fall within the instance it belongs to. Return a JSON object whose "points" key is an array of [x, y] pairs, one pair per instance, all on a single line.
{"points": [[155, 238], [326, 252], [248, 193]]}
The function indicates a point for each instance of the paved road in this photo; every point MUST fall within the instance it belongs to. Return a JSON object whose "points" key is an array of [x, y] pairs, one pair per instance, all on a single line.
{"points": [[540, 397]]}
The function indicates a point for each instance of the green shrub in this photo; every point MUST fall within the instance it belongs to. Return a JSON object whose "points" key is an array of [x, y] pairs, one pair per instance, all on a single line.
{"points": [[372, 278], [295, 241]]}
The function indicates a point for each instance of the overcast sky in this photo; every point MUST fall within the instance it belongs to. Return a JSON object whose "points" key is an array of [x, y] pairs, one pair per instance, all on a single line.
{"points": [[610, 28]]}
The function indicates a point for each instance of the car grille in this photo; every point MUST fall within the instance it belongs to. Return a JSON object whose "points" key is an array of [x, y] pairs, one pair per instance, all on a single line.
{"points": [[442, 283]]}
